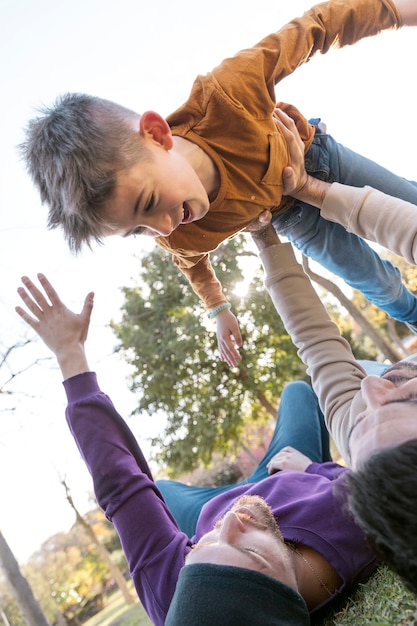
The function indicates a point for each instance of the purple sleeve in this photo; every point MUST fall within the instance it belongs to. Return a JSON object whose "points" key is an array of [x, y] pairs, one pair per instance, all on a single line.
{"points": [[329, 469], [153, 544]]}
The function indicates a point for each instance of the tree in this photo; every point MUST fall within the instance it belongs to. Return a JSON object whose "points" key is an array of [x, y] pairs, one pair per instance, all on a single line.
{"points": [[165, 336], [389, 350], [115, 572], [20, 587]]}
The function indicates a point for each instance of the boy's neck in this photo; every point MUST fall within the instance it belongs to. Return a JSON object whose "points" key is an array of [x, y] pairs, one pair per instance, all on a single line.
{"points": [[202, 164]]}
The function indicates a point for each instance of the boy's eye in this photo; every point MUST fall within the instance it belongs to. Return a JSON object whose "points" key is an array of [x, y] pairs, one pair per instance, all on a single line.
{"points": [[149, 205], [137, 231]]}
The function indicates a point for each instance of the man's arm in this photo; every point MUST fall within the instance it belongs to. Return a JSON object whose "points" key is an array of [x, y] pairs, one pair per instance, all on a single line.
{"points": [[154, 546], [336, 375], [366, 212]]}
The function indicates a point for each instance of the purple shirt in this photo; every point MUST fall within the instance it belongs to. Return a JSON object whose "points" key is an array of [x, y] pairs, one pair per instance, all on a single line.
{"points": [[304, 503]]}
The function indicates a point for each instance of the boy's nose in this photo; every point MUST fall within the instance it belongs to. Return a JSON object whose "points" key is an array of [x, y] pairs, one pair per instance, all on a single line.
{"points": [[162, 225]]}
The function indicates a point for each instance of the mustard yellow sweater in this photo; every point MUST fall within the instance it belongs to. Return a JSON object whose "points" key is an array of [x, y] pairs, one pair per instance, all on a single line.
{"points": [[229, 114]]}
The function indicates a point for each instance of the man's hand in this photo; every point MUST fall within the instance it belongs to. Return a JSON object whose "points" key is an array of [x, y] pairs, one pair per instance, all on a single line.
{"points": [[294, 176], [261, 222], [227, 331], [265, 238], [296, 182], [288, 459], [63, 331]]}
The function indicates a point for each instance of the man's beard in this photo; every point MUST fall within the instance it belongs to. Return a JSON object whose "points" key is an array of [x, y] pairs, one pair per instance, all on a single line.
{"points": [[262, 511]]}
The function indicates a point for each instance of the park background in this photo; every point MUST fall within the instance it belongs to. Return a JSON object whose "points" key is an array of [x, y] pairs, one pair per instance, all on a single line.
{"points": [[145, 56]]}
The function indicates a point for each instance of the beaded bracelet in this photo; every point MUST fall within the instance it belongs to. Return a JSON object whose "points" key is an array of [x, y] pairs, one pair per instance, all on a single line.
{"points": [[221, 307]]}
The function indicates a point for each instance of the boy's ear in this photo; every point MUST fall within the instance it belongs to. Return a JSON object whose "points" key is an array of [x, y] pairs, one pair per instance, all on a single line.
{"points": [[151, 124]]}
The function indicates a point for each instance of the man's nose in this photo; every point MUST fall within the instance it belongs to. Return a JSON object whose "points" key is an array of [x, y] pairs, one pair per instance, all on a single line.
{"points": [[376, 390], [232, 527]]}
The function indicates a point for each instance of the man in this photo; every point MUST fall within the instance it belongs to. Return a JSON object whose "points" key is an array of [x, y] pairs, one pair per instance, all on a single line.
{"points": [[373, 419], [239, 567]]}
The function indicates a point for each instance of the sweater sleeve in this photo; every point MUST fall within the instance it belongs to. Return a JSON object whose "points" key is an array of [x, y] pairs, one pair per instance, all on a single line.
{"points": [[329, 469], [154, 546], [199, 272], [325, 26], [335, 373], [375, 216]]}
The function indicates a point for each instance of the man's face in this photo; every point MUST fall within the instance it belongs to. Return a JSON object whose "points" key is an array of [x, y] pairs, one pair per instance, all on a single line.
{"points": [[247, 536], [390, 416], [155, 196]]}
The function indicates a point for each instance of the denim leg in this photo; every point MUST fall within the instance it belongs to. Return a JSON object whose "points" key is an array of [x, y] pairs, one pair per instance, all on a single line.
{"points": [[343, 253], [300, 424], [186, 501]]}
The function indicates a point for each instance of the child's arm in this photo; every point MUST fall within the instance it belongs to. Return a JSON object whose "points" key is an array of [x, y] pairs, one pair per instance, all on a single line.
{"points": [[229, 338]]}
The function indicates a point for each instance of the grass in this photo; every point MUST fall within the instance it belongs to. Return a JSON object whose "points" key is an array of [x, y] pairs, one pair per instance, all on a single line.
{"points": [[382, 601], [117, 613]]}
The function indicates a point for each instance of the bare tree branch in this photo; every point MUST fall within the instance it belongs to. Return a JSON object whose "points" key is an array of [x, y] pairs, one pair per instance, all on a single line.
{"points": [[389, 351]]}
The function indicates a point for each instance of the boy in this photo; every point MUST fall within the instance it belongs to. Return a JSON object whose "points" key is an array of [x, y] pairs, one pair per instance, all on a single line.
{"points": [[215, 165]]}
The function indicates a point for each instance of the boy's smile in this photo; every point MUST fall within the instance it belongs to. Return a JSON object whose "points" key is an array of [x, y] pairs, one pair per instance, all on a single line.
{"points": [[156, 196]]}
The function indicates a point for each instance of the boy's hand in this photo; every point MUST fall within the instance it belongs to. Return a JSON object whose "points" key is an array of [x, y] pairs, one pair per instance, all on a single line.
{"points": [[63, 331], [288, 459], [227, 331]]}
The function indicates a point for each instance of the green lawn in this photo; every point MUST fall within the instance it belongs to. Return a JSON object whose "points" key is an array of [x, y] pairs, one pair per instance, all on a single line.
{"points": [[382, 601], [117, 613]]}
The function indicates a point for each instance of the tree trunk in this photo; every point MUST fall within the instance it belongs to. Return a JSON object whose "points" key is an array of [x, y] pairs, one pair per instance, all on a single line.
{"points": [[272, 410], [387, 350], [105, 555], [4, 618], [28, 605]]}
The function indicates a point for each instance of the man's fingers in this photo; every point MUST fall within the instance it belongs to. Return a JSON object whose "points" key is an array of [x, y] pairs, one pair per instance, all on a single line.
{"points": [[36, 300], [49, 290], [26, 317]]}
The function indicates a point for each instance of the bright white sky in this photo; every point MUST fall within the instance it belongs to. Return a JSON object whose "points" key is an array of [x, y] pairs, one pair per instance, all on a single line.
{"points": [[145, 56]]}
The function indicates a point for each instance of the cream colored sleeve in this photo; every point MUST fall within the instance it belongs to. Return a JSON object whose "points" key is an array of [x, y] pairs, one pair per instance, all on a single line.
{"points": [[335, 373], [375, 216]]}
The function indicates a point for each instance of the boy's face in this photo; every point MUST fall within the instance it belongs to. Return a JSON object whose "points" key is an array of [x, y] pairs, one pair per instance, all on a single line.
{"points": [[155, 196]]}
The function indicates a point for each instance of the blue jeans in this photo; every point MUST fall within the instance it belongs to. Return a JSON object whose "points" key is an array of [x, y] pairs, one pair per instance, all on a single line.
{"points": [[300, 424], [343, 253]]}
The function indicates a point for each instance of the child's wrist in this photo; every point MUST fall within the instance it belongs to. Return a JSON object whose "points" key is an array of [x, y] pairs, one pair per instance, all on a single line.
{"points": [[214, 312]]}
